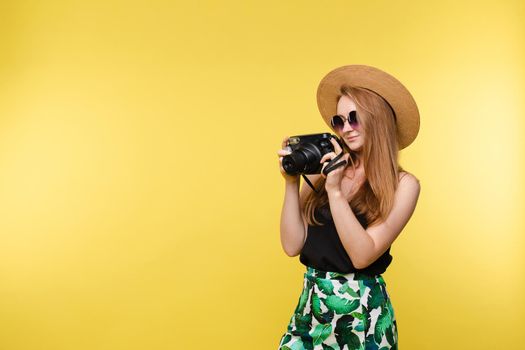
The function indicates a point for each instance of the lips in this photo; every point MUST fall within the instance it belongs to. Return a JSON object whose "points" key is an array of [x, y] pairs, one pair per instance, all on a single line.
{"points": [[351, 138]]}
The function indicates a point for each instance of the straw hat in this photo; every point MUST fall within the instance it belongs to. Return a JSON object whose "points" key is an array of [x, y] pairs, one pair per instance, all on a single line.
{"points": [[382, 83]]}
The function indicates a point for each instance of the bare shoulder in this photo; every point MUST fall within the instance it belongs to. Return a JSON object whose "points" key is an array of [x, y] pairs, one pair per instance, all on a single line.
{"points": [[405, 176], [409, 184]]}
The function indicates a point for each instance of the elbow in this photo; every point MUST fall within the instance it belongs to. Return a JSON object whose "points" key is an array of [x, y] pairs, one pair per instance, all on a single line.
{"points": [[291, 253], [292, 250], [361, 263]]}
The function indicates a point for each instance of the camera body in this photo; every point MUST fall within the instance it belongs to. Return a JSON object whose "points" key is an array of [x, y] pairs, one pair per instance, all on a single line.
{"points": [[307, 151]]}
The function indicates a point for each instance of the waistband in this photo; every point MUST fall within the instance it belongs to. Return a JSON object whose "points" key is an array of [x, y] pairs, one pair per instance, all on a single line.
{"points": [[313, 273]]}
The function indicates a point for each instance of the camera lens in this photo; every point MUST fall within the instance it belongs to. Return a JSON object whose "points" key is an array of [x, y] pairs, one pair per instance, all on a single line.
{"points": [[303, 160], [294, 162]]}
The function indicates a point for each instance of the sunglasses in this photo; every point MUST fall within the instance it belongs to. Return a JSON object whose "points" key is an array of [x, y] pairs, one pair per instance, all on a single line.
{"points": [[338, 121]]}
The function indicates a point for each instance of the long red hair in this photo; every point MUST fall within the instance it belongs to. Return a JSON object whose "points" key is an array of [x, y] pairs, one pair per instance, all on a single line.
{"points": [[375, 197]]}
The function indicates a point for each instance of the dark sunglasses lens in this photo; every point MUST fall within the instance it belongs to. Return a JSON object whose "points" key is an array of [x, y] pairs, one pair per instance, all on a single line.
{"points": [[352, 119], [337, 122]]}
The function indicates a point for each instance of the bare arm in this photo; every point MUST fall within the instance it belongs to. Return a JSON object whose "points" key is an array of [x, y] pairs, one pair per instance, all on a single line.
{"points": [[293, 223], [292, 229], [365, 246]]}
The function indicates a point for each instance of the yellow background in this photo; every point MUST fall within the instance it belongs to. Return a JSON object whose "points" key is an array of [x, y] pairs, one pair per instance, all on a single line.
{"points": [[140, 194]]}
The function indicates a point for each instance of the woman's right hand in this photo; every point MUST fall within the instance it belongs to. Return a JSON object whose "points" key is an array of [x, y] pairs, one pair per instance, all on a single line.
{"points": [[281, 153]]}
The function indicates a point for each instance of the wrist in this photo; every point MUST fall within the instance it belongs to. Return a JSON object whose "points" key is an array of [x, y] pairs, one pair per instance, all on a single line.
{"points": [[291, 181], [334, 193]]}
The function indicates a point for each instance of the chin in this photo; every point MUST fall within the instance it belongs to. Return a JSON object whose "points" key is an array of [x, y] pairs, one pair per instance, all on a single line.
{"points": [[355, 148], [353, 145]]}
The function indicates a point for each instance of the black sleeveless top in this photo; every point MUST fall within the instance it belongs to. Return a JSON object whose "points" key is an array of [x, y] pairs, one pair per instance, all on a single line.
{"points": [[324, 251]]}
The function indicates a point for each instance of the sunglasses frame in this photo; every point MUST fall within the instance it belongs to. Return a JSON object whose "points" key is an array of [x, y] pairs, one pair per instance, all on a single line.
{"points": [[353, 124]]}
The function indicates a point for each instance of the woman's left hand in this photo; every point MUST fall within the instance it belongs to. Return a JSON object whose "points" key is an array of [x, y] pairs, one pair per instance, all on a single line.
{"points": [[333, 179]]}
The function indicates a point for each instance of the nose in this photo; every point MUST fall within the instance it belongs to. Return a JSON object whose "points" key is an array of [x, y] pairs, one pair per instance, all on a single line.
{"points": [[347, 126]]}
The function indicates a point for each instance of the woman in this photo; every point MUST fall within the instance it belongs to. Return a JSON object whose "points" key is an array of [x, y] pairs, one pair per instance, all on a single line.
{"points": [[344, 229]]}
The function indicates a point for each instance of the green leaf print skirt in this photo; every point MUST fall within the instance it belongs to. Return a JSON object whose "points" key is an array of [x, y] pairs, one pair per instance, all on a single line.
{"points": [[341, 312]]}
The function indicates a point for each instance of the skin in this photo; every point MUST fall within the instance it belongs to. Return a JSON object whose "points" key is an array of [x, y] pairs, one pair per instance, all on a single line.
{"points": [[344, 106], [334, 181], [363, 246]]}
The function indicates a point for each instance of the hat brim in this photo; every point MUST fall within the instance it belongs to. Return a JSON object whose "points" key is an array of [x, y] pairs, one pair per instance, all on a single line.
{"points": [[382, 83]]}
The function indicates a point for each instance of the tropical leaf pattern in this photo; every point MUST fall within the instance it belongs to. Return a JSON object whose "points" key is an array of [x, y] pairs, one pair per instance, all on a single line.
{"points": [[339, 311]]}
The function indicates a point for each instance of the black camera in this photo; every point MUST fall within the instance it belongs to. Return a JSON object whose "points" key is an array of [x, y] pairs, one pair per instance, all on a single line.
{"points": [[307, 151]]}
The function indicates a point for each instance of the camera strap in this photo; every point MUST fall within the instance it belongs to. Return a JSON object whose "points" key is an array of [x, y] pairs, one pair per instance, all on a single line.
{"points": [[309, 183], [332, 166], [329, 167]]}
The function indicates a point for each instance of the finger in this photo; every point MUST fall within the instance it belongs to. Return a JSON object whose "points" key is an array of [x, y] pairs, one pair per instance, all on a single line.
{"points": [[337, 168], [285, 141], [322, 170], [337, 161], [337, 148], [327, 156], [283, 152]]}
